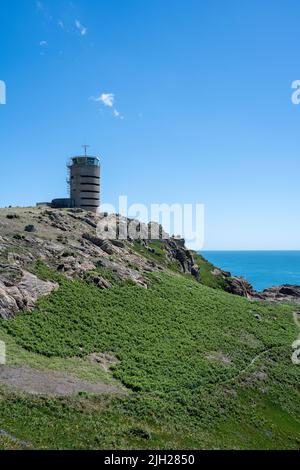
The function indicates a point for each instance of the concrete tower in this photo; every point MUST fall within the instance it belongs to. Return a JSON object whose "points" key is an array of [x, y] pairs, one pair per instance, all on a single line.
{"points": [[85, 182]]}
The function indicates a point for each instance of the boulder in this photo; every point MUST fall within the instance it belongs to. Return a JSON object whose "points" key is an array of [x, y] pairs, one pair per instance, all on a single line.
{"points": [[19, 290], [239, 286]]}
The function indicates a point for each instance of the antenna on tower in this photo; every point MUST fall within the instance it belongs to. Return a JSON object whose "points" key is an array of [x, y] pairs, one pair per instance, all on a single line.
{"points": [[85, 149]]}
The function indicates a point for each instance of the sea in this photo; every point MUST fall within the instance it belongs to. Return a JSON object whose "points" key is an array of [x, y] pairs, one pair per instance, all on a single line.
{"points": [[261, 268]]}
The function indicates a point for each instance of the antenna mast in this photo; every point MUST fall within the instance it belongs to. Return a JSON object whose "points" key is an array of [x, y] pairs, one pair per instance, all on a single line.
{"points": [[85, 149]]}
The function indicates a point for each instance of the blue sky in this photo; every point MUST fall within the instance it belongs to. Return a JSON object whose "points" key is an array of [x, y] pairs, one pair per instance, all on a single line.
{"points": [[202, 93]]}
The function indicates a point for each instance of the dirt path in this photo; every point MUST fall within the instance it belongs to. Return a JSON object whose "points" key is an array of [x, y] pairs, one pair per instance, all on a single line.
{"points": [[15, 440], [50, 383]]}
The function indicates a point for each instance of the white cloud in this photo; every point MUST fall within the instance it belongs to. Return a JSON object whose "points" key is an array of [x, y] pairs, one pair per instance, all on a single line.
{"points": [[61, 24], [117, 114], [43, 43], [107, 99], [82, 29]]}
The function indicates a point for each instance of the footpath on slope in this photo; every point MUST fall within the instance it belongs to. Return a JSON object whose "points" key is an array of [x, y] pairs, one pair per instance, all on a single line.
{"points": [[51, 383]]}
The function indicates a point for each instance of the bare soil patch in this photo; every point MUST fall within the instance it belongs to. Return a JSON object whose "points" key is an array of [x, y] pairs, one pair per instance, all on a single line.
{"points": [[51, 383], [219, 357]]}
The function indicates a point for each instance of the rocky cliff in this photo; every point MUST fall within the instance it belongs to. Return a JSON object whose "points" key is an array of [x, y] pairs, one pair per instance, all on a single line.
{"points": [[67, 241]]}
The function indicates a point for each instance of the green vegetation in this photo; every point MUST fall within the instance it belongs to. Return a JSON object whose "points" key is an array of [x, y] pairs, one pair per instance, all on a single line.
{"points": [[157, 253], [159, 256], [201, 369], [206, 270], [82, 368]]}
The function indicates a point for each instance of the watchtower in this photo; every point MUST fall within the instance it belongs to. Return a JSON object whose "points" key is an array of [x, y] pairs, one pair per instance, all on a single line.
{"points": [[84, 181]]}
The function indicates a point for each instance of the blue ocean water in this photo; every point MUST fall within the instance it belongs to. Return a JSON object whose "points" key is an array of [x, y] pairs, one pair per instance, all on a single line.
{"points": [[261, 268]]}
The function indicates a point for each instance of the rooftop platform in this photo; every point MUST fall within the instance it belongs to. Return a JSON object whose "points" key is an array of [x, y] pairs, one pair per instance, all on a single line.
{"points": [[85, 160]]}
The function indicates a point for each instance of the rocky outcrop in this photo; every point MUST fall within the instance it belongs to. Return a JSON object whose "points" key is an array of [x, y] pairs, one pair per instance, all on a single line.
{"points": [[105, 245], [73, 267], [19, 290], [177, 251], [285, 292], [100, 248], [236, 285], [124, 273], [239, 286]]}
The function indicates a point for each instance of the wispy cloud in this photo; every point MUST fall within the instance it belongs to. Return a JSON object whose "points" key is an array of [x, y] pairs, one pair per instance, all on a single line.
{"points": [[108, 100], [117, 114], [43, 43], [43, 10], [82, 29], [68, 24]]}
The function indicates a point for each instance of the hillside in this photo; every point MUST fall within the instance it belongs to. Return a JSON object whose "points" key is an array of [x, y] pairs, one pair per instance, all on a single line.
{"points": [[122, 345]]}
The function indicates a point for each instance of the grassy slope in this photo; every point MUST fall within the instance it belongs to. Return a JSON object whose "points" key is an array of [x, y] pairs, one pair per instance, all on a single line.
{"points": [[180, 397], [160, 257], [207, 278]]}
